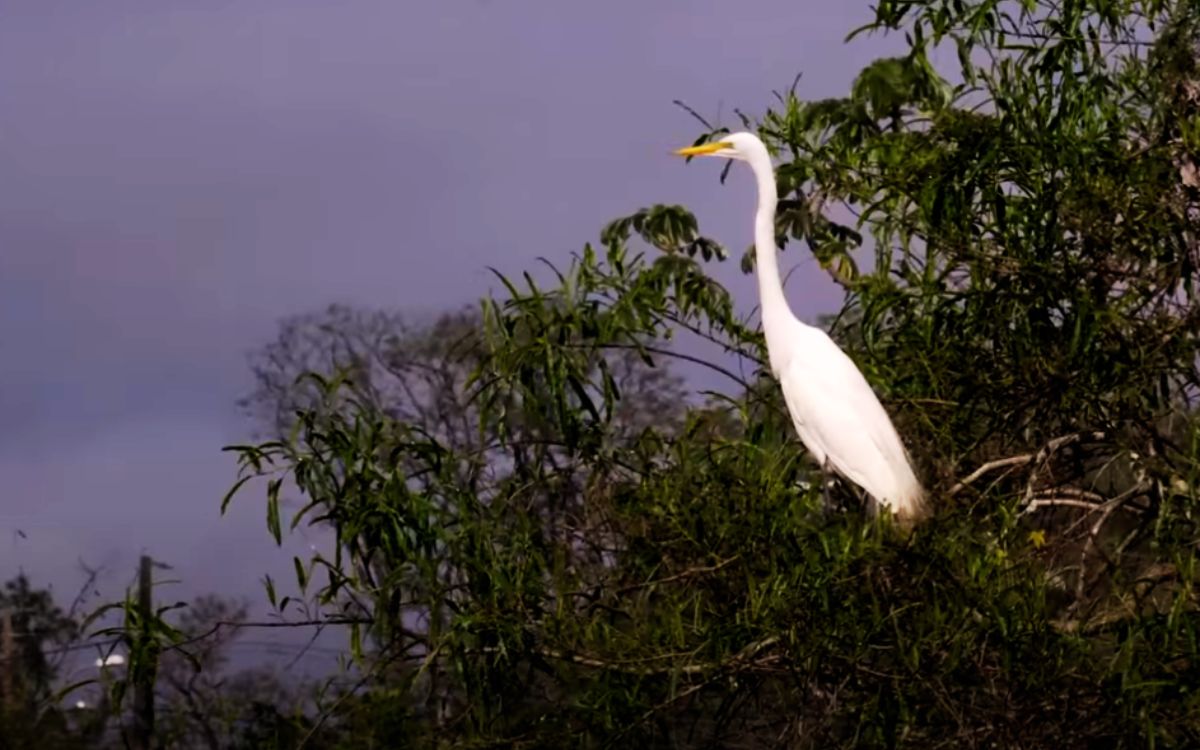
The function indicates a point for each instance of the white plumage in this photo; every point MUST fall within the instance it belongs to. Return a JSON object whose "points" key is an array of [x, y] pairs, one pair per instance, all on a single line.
{"points": [[835, 412]]}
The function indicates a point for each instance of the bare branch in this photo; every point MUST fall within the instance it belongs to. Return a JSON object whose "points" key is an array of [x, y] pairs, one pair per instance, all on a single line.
{"points": [[990, 466]]}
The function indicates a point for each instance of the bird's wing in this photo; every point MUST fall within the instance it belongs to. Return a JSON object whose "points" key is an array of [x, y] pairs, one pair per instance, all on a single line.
{"points": [[839, 418]]}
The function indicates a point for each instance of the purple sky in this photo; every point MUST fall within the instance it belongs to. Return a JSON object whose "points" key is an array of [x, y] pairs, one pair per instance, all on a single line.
{"points": [[176, 176]]}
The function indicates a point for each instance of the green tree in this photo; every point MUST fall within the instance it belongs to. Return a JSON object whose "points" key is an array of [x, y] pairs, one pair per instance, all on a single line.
{"points": [[39, 627], [41, 632], [1019, 271]]}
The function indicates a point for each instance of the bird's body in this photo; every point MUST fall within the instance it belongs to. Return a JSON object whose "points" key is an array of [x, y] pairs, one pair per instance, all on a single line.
{"points": [[835, 412], [841, 422]]}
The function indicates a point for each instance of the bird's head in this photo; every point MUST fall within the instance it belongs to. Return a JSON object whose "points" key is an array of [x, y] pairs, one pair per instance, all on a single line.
{"points": [[740, 146]]}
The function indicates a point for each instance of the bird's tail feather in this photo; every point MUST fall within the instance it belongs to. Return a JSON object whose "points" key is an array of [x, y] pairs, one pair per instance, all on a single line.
{"points": [[910, 507]]}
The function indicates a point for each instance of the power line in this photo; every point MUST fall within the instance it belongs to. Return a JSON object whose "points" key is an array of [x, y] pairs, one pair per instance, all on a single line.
{"points": [[77, 646], [217, 626], [285, 648]]}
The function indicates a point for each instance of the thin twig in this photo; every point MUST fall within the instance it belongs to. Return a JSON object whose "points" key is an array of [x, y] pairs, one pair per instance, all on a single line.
{"points": [[1047, 451], [690, 572], [1057, 502], [1070, 497], [990, 466], [1091, 546], [678, 355], [740, 658]]}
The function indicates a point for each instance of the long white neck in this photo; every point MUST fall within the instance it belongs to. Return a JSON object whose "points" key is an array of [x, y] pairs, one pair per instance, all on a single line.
{"points": [[775, 310]]}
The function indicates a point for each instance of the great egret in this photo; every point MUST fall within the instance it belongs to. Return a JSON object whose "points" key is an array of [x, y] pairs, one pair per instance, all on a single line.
{"points": [[837, 415]]}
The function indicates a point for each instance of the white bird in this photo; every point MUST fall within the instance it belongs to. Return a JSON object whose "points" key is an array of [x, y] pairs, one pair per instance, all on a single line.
{"points": [[837, 415]]}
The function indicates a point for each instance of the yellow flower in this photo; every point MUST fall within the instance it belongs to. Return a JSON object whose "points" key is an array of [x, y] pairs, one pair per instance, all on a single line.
{"points": [[1038, 537]]}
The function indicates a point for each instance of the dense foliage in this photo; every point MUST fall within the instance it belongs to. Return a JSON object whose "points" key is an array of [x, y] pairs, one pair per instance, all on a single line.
{"points": [[542, 542], [32, 630]]}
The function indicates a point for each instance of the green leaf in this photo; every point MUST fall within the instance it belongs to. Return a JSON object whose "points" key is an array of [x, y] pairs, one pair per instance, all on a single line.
{"points": [[233, 491], [273, 524], [270, 587]]}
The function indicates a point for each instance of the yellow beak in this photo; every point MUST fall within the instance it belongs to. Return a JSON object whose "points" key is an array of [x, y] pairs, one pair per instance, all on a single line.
{"points": [[703, 149]]}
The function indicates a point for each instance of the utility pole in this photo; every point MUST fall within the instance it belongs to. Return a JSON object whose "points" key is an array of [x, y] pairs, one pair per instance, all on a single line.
{"points": [[147, 666], [8, 657]]}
